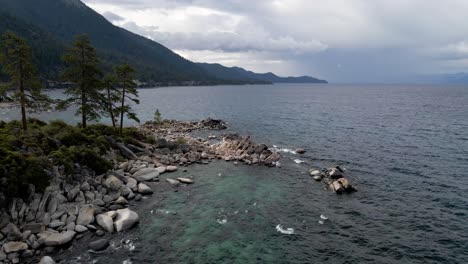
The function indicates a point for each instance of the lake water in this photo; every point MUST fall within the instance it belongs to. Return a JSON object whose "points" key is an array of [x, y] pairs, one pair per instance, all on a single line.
{"points": [[405, 149]]}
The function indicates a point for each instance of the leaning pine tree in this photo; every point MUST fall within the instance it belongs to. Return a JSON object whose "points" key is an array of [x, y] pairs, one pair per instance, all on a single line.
{"points": [[125, 75], [24, 86], [82, 70], [112, 97]]}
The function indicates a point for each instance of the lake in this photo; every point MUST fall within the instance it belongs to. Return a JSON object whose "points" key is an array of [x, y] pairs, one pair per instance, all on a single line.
{"points": [[405, 148]]}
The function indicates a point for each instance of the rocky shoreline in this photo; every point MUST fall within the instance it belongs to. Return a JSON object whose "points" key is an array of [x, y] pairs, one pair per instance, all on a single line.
{"points": [[86, 204]]}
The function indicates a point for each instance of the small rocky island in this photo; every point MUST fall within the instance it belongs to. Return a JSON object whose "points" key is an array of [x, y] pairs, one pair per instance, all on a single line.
{"points": [[81, 201], [334, 179]]}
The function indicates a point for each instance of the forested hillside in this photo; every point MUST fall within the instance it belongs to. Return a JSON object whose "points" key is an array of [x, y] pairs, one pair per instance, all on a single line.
{"points": [[51, 25]]}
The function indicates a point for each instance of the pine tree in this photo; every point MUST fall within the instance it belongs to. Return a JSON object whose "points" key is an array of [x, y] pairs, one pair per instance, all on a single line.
{"points": [[128, 90], [24, 85], [82, 70], [112, 96]]}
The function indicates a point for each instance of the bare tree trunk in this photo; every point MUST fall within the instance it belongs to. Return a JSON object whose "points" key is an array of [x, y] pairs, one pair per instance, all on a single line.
{"points": [[83, 107], [122, 110], [111, 112], [23, 101], [83, 93]]}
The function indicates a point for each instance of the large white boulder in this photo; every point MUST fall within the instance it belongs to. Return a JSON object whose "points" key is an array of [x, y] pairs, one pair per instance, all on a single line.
{"points": [[146, 173], [57, 239], [172, 181], [12, 247], [47, 260], [113, 183], [171, 168], [147, 177], [86, 215], [125, 219], [131, 182], [144, 189], [105, 221], [185, 180], [161, 169]]}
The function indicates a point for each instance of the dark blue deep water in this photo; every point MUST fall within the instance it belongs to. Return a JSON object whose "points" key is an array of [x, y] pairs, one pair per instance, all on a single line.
{"points": [[405, 149]]}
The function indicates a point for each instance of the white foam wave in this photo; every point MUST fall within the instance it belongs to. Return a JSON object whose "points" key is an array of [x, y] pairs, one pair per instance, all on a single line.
{"points": [[164, 211], [127, 261], [128, 244], [284, 150], [287, 231], [298, 161], [222, 221], [324, 217]]}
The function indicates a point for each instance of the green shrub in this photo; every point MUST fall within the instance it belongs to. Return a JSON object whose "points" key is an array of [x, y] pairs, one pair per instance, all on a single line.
{"points": [[157, 117], [55, 127], [151, 140], [22, 170], [25, 157], [133, 132], [180, 141], [86, 156], [73, 137]]}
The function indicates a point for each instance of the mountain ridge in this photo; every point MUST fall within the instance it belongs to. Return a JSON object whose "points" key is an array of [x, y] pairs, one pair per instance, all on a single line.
{"points": [[267, 77], [62, 20]]}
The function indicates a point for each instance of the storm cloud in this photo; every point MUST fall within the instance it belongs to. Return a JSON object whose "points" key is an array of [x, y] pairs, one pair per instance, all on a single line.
{"points": [[340, 40]]}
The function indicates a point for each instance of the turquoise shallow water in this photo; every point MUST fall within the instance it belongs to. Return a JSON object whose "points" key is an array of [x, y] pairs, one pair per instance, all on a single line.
{"points": [[405, 147]]}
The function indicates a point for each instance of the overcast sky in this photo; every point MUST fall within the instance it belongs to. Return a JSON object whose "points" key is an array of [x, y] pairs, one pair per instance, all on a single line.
{"points": [[339, 40]]}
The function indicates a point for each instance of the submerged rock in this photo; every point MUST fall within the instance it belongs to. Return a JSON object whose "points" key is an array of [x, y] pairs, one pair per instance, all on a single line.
{"points": [[300, 151], [99, 245], [314, 172], [172, 181], [185, 180]]}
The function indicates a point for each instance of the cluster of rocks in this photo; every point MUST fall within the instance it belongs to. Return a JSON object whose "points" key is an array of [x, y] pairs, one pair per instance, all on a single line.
{"points": [[180, 148], [174, 126], [85, 203], [65, 211], [334, 179], [237, 148]]}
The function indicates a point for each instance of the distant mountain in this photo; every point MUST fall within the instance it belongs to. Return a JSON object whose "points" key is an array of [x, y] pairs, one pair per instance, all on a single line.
{"points": [[242, 74], [51, 25], [456, 78]]}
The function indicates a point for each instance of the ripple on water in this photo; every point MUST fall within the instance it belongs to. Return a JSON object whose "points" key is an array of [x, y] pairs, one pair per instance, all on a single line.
{"points": [[405, 147]]}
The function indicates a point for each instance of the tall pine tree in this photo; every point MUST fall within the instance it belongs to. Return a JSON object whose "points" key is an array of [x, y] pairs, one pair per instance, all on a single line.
{"points": [[112, 97], [82, 70], [24, 86], [125, 75]]}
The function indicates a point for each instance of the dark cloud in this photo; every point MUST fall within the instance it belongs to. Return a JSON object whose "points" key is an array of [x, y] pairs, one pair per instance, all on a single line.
{"points": [[340, 40], [112, 16]]}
